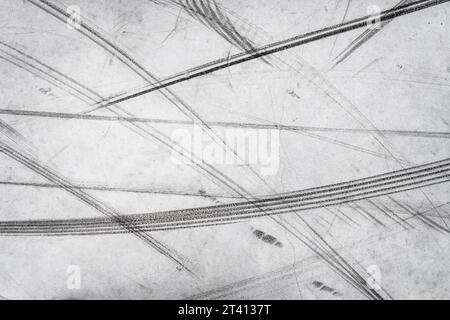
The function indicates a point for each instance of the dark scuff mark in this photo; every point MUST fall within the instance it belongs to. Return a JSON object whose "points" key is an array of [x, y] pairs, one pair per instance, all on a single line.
{"points": [[322, 287], [292, 93], [267, 238]]}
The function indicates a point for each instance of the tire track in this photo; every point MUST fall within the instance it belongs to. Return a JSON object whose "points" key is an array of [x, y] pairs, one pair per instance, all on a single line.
{"points": [[330, 195]]}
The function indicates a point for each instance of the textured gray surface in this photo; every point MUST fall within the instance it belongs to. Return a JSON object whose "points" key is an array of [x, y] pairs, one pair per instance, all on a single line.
{"points": [[396, 82]]}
